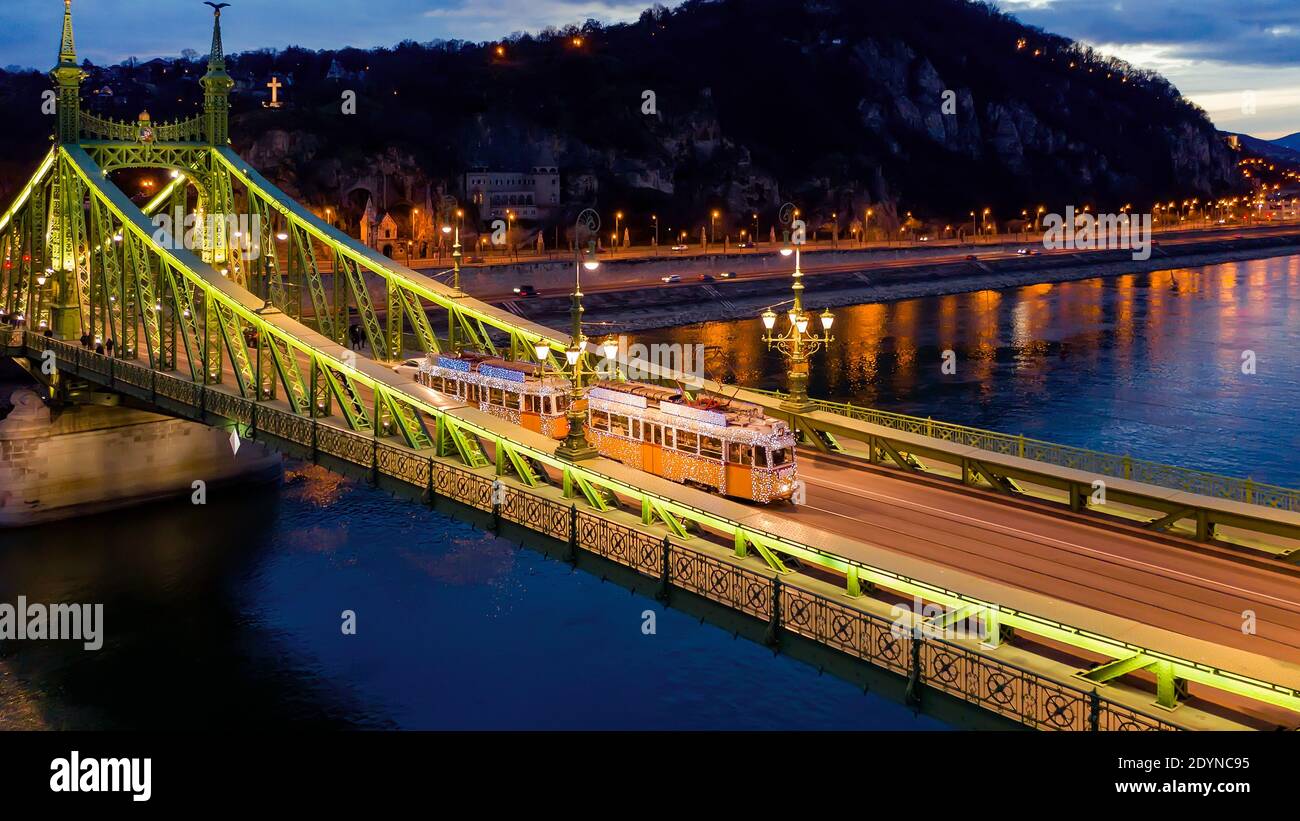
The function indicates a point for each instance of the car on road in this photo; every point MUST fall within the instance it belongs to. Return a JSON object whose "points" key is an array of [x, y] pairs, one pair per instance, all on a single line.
{"points": [[706, 277], [971, 257], [1024, 252], [525, 290], [679, 247], [728, 274], [744, 245], [671, 278], [410, 367]]}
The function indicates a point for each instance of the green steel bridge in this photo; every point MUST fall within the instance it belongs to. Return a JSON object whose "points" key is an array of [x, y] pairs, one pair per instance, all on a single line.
{"points": [[217, 333]]}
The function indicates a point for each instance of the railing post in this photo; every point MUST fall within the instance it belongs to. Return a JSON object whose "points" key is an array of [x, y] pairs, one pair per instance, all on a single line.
{"points": [[662, 593], [1128, 467], [573, 533], [1094, 710], [913, 692], [1022, 446], [430, 491], [772, 638], [498, 490]]}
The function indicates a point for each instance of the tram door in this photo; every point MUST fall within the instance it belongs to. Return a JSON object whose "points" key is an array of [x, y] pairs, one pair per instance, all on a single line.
{"points": [[652, 450]]}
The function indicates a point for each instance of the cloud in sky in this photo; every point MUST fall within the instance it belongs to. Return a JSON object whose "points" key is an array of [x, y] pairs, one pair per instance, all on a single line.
{"points": [[109, 31], [1221, 54]]}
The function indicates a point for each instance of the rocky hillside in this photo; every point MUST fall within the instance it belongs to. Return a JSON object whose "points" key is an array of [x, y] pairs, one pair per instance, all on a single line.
{"points": [[935, 107]]}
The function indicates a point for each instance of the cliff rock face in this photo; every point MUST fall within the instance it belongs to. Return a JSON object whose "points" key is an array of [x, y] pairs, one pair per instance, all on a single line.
{"points": [[933, 106]]}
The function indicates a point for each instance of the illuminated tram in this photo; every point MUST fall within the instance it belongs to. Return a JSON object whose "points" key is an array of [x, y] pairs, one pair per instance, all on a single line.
{"points": [[513, 391], [724, 446], [727, 447]]}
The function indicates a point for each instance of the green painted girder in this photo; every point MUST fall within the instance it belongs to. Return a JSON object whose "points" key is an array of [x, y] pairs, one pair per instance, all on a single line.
{"points": [[416, 314], [426, 288], [356, 280], [744, 538], [137, 262], [461, 443], [395, 310], [232, 332], [347, 396], [576, 482], [183, 312], [191, 159], [286, 365], [24, 194], [652, 511], [1167, 685], [507, 455], [305, 252], [410, 424]]}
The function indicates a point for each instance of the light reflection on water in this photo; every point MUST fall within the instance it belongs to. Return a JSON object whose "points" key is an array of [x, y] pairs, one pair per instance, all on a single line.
{"points": [[1147, 364]]}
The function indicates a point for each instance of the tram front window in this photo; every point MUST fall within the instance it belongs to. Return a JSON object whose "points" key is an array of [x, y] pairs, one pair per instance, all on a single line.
{"points": [[780, 456]]}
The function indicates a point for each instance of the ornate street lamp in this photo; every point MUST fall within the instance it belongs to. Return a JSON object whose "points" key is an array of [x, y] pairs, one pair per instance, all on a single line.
{"points": [[576, 447], [799, 342]]}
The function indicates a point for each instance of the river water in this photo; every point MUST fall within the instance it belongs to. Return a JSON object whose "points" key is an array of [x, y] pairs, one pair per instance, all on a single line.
{"points": [[228, 615]]}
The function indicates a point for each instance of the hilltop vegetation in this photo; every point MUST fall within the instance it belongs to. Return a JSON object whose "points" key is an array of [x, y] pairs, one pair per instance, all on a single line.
{"points": [[836, 105]]}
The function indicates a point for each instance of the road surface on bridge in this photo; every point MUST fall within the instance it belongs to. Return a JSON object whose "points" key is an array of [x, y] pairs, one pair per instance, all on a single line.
{"points": [[1151, 581]]}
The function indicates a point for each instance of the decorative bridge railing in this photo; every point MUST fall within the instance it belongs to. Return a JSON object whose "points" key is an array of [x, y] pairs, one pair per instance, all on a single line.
{"points": [[100, 128], [787, 603], [1091, 461]]}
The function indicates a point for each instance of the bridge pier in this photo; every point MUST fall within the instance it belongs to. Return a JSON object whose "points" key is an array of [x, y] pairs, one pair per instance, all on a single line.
{"points": [[80, 459]]}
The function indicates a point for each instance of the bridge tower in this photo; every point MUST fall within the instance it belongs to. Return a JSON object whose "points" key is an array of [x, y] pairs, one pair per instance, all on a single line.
{"points": [[67, 76], [216, 87], [218, 199], [64, 314]]}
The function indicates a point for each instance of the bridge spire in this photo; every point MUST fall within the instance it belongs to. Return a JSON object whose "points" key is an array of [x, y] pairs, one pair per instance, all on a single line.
{"points": [[67, 47], [66, 77], [216, 86]]}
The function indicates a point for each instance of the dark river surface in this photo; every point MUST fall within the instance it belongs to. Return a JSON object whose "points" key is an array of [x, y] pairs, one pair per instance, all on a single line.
{"points": [[228, 616]]}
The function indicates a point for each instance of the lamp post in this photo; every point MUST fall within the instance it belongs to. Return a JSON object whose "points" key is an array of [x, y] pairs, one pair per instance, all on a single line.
{"points": [[453, 341], [797, 343], [576, 447]]}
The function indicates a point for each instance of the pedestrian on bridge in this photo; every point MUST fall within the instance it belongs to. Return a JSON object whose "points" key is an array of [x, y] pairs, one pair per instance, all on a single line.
{"points": [[85, 341], [108, 346]]}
